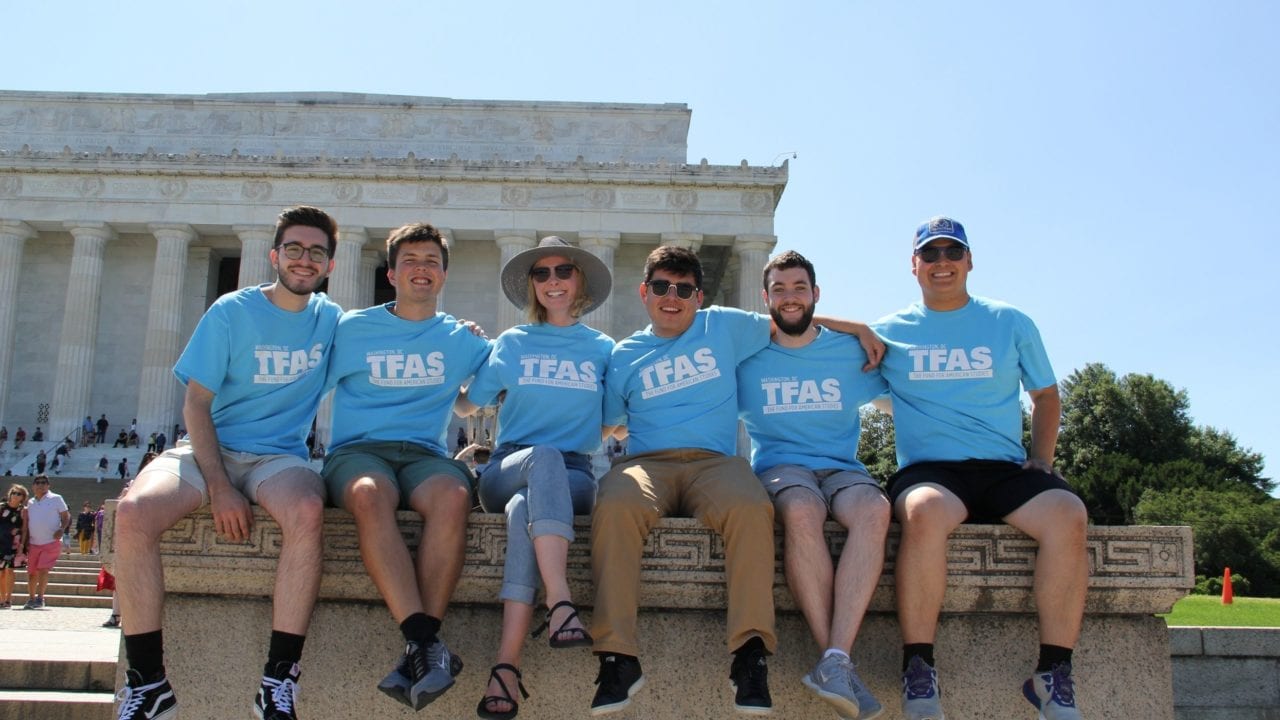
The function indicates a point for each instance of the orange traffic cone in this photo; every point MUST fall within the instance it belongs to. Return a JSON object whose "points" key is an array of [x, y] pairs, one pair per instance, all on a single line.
{"points": [[1227, 594]]}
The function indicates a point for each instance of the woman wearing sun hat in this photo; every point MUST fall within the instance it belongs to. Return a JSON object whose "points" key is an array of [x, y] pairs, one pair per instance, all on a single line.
{"points": [[549, 374]]}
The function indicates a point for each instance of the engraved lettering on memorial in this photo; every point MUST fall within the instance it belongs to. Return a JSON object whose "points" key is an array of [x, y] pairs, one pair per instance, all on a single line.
{"points": [[433, 194], [516, 196], [600, 197], [346, 192], [256, 190], [173, 188], [90, 187], [682, 199]]}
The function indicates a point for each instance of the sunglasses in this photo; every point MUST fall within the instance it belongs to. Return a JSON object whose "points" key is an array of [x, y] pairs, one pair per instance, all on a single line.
{"points": [[543, 274], [40, 482], [684, 291], [954, 253], [295, 251]]}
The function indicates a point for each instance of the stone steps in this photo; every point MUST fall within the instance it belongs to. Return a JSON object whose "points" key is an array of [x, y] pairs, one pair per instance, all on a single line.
{"points": [[55, 705], [73, 582]]}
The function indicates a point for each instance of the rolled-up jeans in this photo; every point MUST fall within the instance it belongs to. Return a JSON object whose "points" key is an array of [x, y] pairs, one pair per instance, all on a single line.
{"points": [[540, 489]]}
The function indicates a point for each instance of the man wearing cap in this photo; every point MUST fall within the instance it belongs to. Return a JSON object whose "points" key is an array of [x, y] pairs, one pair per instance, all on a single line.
{"points": [[254, 370], [397, 369], [799, 399], [674, 386], [954, 366]]}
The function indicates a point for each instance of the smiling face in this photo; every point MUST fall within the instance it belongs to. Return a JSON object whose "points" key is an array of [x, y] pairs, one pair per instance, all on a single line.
{"points": [[944, 283], [418, 275], [670, 314], [791, 299], [556, 295], [302, 276]]}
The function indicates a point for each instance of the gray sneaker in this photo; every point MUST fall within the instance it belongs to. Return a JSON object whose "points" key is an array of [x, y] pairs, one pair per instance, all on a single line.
{"points": [[422, 675], [1053, 693], [830, 680], [921, 696], [869, 707]]}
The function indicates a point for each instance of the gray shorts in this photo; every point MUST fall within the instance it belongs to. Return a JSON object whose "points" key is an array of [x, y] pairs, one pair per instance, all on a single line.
{"points": [[405, 464], [823, 483], [245, 471]]}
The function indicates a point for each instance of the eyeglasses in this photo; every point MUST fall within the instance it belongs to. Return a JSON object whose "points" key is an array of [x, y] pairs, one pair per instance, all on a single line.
{"points": [[543, 274], [294, 251], [684, 291], [954, 253]]}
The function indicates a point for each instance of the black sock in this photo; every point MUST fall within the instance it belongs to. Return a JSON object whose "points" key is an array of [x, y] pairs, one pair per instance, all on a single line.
{"points": [[420, 628], [924, 651], [754, 643], [1051, 655], [285, 648], [145, 653]]}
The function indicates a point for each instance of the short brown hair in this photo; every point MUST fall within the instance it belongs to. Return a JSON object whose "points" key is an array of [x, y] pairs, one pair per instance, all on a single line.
{"points": [[412, 233], [307, 216], [675, 260], [786, 261]]}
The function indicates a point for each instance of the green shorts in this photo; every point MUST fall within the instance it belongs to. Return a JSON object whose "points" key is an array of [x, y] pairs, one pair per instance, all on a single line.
{"points": [[405, 464]]}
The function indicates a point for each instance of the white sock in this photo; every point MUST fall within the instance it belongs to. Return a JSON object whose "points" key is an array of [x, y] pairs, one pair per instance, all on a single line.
{"points": [[835, 651]]}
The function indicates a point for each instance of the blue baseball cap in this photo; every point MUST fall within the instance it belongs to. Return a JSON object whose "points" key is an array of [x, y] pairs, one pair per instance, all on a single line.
{"points": [[940, 227]]}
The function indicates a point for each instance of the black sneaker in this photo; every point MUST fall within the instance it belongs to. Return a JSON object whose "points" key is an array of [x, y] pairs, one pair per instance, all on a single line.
{"points": [[278, 695], [749, 677], [140, 700], [620, 678]]}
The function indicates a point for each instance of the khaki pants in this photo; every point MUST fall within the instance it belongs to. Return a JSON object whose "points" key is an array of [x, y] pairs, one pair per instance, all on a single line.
{"points": [[719, 491]]}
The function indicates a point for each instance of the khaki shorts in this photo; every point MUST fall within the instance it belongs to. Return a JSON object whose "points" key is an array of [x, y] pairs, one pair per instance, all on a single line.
{"points": [[405, 464], [246, 471], [823, 483]]}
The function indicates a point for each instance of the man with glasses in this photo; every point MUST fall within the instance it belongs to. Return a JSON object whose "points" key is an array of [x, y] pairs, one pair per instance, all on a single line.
{"points": [[954, 367], [47, 520], [254, 371], [397, 369], [673, 386]]}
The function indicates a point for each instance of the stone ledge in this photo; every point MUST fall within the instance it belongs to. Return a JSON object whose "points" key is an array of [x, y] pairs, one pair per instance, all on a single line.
{"points": [[1132, 569], [1235, 642]]}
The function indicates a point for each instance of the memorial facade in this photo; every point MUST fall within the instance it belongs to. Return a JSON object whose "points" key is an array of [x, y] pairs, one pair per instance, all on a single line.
{"points": [[122, 217]]}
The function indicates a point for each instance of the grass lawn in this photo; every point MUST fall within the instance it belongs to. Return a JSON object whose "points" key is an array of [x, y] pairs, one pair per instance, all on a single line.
{"points": [[1209, 610]]}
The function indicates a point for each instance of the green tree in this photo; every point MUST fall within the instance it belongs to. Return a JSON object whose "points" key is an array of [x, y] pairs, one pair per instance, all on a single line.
{"points": [[876, 447], [1236, 527]]}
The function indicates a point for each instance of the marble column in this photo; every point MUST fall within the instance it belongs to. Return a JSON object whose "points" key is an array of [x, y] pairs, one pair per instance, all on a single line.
{"points": [[158, 390], [370, 261], [79, 338], [447, 234], [344, 282], [255, 254], [13, 239], [510, 244], [753, 252], [693, 241], [602, 244]]}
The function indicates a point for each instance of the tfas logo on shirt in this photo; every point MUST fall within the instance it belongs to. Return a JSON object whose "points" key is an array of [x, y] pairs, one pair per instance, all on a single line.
{"points": [[405, 369], [782, 396], [279, 366], [547, 370], [671, 374], [941, 363]]}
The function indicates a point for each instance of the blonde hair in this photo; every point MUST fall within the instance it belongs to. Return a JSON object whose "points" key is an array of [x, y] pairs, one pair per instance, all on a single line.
{"points": [[536, 313], [20, 488]]}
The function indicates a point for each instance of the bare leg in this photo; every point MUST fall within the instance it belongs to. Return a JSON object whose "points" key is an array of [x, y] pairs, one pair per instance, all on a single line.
{"points": [[295, 499], [516, 618], [552, 552], [7, 580], [1057, 520], [372, 500], [443, 502], [36, 582], [156, 501], [864, 511], [929, 514], [807, 558]]}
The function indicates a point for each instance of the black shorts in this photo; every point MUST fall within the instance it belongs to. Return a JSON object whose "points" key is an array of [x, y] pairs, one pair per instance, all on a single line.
{"points": [[989, 489]]}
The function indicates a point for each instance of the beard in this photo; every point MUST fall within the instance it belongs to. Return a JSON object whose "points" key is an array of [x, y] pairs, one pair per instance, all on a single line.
{"points": [[796, 328], [299, 286]]}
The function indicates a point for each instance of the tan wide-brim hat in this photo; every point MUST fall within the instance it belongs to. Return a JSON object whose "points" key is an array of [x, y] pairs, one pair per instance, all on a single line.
{"points": [[515, 274]]}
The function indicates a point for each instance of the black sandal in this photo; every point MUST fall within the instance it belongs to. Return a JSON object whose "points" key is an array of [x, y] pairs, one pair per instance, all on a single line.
{"points": [[483, 708], [557, 639]]}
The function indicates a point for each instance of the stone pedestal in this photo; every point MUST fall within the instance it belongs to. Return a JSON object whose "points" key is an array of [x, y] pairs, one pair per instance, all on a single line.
{"points": [[218, 621]]}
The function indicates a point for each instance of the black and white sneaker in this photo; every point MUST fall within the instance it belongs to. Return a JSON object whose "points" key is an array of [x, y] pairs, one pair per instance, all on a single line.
{"points": [[620, 677], [422, 675], [278, 695], [140, 700], [749, 677]]}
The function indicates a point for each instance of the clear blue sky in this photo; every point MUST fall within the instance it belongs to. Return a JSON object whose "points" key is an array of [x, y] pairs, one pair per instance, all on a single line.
{"points": [[1115, 162]]}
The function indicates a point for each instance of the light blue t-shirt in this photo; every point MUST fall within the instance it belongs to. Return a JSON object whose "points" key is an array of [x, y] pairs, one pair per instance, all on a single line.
{"points": [[954, 379], [396, 380], [554, 378], [682, 392], [800, 405], [265, 367]]}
